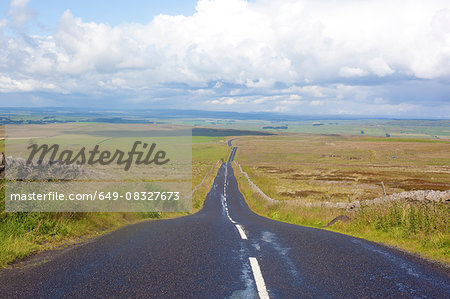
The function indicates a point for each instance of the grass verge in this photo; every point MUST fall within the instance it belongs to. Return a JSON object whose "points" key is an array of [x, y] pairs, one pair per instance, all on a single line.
{"points": [[22, 234]]}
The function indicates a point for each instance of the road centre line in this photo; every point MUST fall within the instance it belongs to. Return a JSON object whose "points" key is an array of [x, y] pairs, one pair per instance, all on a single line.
{"points": [[259, 280], [241, 232]]}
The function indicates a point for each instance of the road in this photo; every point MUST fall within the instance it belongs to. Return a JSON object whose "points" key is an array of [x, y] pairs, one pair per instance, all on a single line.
{"points": [[225, 250], [230, 141]]}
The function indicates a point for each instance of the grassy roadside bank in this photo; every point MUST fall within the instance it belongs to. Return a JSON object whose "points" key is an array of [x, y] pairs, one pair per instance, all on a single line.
{"points": [[422, 229], [22, 234]]}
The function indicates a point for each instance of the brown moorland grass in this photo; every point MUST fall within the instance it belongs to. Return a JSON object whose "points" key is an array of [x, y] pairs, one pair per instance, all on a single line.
{"points": [[342, 168]]}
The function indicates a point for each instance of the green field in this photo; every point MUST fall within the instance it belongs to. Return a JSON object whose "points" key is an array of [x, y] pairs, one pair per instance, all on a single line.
{"points": [[423, 129]]}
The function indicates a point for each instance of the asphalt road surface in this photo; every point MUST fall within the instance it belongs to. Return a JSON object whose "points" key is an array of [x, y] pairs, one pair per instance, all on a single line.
{"points": [[227, 251]]}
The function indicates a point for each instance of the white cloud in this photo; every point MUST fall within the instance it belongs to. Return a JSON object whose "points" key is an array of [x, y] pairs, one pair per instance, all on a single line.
{"points": [[20, 13], [223, 101], [295, 97], [8, 84], [316, 103], [3, 23], [349, 72], [379, 100], [203, 92], [379, 67], [243, 47], [308, 90]]}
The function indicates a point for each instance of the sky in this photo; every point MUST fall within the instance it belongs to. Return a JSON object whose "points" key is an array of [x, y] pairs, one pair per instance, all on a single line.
{"points": [[319, 57]]}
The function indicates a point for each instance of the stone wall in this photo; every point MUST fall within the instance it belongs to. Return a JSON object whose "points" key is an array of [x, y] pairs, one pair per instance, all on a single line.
{"points": [[19, 168]]}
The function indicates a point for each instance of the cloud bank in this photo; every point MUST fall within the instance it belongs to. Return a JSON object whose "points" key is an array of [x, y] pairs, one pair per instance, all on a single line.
{"points": [[349, 57]]}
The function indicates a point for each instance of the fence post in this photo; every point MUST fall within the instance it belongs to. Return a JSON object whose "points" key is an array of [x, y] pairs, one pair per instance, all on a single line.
{"points": [[384, 190]]}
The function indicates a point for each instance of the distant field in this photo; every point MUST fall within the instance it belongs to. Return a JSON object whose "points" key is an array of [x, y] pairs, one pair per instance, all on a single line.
{"points": [[410, 140], [342, 168], [428, 129], [225, 132], [206, 121], [205, 139]]}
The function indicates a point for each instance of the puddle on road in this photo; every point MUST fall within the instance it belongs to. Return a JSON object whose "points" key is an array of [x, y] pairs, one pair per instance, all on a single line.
{"points": [[274, 241], [246, 277], [256, 246]]}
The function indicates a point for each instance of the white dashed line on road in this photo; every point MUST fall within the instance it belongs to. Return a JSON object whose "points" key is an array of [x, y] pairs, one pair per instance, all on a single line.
{"points": [[241, 232], [259, 280]]}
